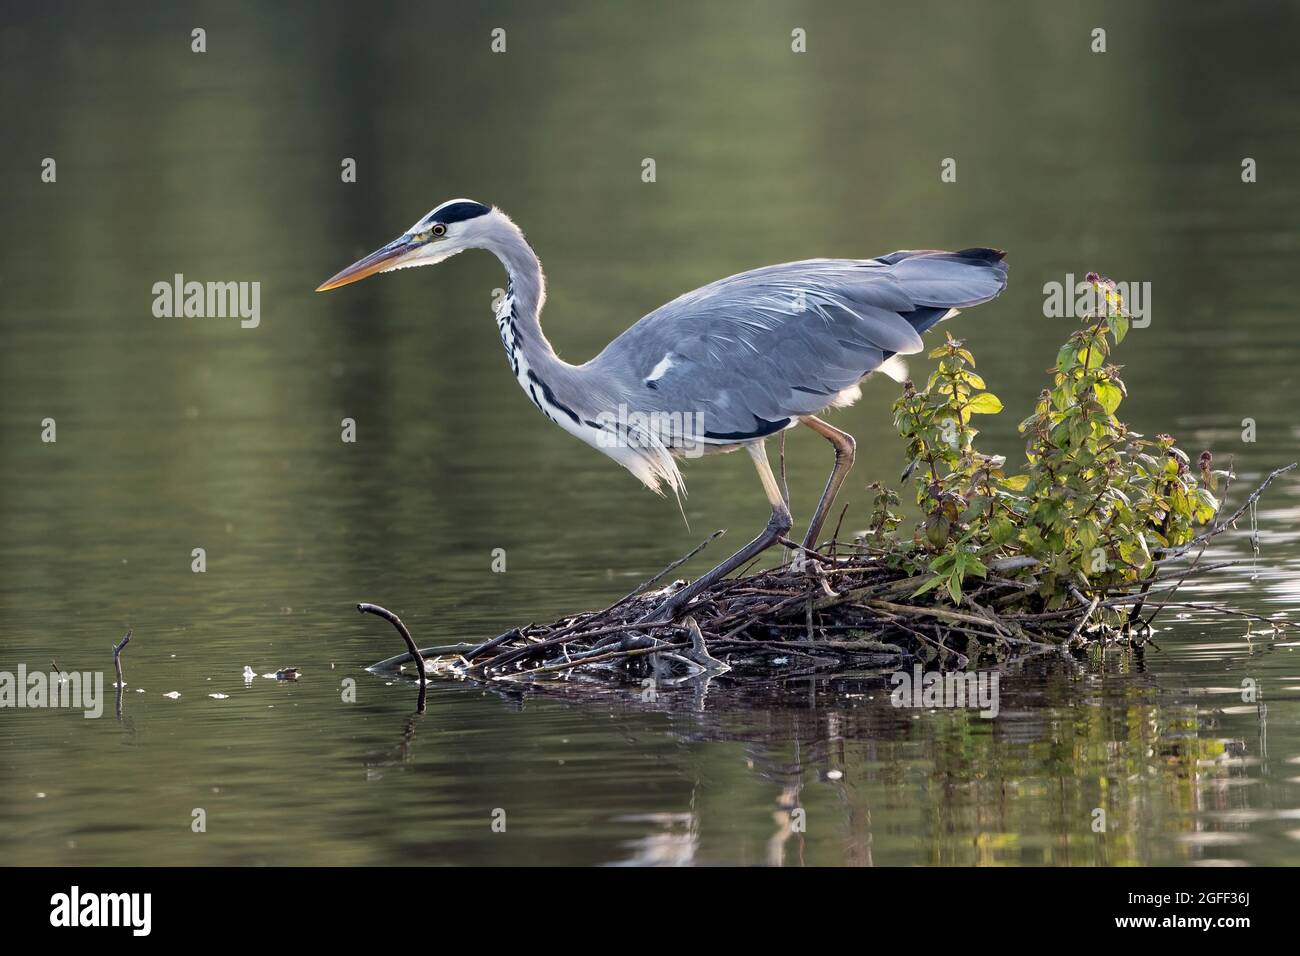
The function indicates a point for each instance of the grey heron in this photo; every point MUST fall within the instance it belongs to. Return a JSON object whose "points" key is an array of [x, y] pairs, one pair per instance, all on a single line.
{"points": [[723, 367]]}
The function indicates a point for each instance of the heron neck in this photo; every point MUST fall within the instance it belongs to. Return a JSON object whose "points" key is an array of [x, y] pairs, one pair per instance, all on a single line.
{"points": [[519, 313]]}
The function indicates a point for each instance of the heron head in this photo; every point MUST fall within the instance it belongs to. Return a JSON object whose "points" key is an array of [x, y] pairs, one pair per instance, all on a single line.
{"points": [[450, 228]]}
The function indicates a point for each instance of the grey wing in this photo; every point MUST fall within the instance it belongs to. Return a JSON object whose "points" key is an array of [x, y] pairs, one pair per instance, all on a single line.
{"points": [[750, 352]]}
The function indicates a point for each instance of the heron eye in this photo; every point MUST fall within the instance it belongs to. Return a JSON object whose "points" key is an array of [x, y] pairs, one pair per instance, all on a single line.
{"points": [[438, 229]]}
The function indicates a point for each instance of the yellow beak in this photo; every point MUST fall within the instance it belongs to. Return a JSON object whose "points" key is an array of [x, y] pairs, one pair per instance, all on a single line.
{"points": [[377, 261]]}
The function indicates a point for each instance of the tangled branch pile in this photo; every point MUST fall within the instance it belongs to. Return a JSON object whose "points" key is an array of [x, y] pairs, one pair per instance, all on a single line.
{"points": [[1097, 527]]}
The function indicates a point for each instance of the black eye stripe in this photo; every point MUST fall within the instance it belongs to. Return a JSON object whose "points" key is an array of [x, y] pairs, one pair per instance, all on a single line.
{"points": [[459, 212]]}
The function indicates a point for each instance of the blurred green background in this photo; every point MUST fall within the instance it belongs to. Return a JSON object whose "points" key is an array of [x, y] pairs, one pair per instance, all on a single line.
{"points": [[182, 433]]}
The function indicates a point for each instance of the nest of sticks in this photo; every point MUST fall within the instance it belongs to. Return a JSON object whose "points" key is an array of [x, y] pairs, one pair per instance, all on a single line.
{"points": [[847, 606]]}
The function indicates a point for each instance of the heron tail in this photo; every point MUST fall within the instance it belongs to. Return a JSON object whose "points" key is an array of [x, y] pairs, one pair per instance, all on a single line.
{"points": [[942, 283]]}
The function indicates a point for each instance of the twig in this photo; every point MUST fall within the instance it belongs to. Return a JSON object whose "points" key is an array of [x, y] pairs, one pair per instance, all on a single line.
{"points": [[512, 654], [396, 621], [492, 644], [935, 612], [1203, 539], [835, 535], [809, 552], [1092, 608], [117, 656], [598, 659], [581, 621], [1221, 526], [668, 570]]}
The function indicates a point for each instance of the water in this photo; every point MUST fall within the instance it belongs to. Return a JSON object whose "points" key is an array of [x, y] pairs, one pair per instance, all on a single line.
{"points": [[175, 434]]}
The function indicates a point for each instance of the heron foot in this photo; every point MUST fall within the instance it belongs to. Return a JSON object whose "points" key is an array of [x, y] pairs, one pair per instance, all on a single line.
{"points": [[777, 527]]}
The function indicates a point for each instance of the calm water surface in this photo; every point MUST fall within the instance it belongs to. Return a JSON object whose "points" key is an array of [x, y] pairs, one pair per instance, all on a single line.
{"points": [[177, 434]]}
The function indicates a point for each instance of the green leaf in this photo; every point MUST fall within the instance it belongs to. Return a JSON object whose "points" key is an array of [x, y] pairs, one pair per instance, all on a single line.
{"points": [[1087, 535], [1016, 482], [1119, 326], [943, 562], [1109, 395], [1001, 530], [985, 403], [929, 585], [1206, 505]]}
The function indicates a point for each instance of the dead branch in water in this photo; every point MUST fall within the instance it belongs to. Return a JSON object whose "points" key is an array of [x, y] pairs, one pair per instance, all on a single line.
{"points": [[1223, 523], [396, 621], [117, 656]]}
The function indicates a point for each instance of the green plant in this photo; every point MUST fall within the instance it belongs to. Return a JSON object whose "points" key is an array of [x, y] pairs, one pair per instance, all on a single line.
{"points": [[1096, 501]]}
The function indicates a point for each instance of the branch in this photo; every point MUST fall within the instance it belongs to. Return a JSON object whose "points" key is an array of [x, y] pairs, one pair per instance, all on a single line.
{"points": [[117, 657], [1199, 554], [396, 621], [1222, 525], [666, 571]]}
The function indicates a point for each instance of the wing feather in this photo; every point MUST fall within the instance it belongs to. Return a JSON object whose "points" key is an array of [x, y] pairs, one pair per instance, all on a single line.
{"points": [[754, 350]]}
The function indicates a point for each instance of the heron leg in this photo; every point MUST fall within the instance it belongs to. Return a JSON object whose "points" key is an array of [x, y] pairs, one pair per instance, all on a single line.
{"points": [[845, 448], [777, 527]]}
